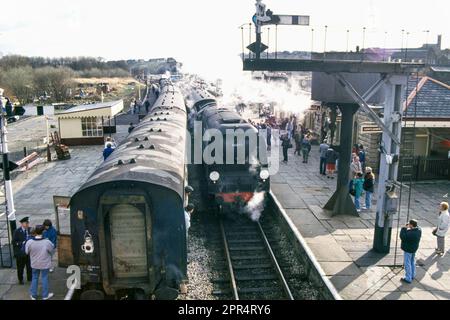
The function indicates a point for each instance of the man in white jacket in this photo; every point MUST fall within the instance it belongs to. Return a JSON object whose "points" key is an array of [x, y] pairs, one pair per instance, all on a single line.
{"points": [[442, 228]]}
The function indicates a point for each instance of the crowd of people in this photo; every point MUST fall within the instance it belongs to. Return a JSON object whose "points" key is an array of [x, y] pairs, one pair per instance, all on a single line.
{"points": [[33, 250]]}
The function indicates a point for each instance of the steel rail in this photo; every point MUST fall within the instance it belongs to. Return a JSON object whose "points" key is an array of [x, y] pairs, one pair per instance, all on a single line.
{"points": [[278, 270], [230, 264]]}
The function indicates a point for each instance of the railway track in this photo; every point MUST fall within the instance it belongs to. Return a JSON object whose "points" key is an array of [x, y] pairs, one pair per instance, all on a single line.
{"points": [[253, 269]]}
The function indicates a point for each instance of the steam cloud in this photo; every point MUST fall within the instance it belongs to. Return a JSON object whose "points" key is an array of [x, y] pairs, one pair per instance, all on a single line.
{"points": [[255, 206]]}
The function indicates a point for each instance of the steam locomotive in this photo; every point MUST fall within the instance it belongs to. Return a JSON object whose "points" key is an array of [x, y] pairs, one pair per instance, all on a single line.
{"points": [[127, 221], [240, 174]]}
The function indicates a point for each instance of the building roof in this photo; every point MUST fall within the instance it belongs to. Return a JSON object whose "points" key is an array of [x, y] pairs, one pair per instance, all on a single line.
{"points": [[90, 107], [428, 99], [440, 69], [106, 109]]}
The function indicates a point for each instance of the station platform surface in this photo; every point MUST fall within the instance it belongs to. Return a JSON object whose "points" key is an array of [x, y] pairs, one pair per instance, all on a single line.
{"points": [[343, 244], [33, 196]]}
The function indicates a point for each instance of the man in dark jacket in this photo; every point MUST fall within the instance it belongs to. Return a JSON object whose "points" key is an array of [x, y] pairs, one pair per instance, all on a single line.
{"points": [[20, 236], [410, 236]]}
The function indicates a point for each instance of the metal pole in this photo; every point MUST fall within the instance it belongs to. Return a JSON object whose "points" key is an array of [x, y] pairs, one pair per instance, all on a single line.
{"points": [[9, 200], [363, 43], [49, 154], [276, 41], [325, 43], [406, 46], [388, 171], [243, 45], [348, 38], [312, 41], [268, 42], [249, 39]]}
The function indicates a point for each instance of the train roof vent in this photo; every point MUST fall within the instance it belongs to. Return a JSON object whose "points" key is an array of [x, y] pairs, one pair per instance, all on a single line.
{"points": [[120, 163], [141, 147], [152, 147], [132, 161], [151, 130], [136, 140], [160, 130], [151, 119], [146, 139]]}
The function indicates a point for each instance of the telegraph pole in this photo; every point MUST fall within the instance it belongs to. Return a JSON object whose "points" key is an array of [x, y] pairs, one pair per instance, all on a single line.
{"points": [[10, 210]]}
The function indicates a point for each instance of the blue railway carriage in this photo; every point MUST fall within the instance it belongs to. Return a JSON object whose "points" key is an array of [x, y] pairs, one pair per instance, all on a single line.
{"points": [[127, 221]]}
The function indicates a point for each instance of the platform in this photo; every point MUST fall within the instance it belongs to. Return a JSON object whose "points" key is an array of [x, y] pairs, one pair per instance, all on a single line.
{"points": [[34, 191], [342, 244]]}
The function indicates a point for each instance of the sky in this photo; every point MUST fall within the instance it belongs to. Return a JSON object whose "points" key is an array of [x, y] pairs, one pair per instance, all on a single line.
{"points": [[205, 34]]}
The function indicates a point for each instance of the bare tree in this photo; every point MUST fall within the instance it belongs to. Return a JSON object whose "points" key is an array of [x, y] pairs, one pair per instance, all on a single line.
{"points": [[54, 81], [19, 82]]}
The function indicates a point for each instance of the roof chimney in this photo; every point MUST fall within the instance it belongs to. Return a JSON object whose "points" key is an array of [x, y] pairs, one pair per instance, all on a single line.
{"points": [[439, 41]]}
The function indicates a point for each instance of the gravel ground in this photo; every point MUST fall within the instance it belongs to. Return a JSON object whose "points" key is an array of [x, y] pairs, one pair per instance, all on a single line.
{"points": [[200, 274]]}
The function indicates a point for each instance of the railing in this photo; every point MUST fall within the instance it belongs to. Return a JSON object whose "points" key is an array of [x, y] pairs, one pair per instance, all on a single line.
{"points": [[423, 168]]}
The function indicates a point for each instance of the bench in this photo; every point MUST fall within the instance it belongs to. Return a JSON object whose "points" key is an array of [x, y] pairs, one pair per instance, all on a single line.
{"points": [[28, 162]]}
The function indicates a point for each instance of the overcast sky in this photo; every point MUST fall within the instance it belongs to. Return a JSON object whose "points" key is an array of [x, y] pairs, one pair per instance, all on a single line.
{"points": [[205, 34]]}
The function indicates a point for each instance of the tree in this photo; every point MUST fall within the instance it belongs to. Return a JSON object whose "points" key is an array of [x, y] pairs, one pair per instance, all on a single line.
{"points": [[54, 81], [19, 82]]}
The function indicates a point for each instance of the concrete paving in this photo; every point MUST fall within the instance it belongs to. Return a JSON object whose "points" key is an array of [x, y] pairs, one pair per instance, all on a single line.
{"points": [[342, 244], [33, 194]]}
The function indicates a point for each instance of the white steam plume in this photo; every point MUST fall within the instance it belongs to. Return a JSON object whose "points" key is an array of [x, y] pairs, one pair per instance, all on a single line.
{"points": [[255, 206]]}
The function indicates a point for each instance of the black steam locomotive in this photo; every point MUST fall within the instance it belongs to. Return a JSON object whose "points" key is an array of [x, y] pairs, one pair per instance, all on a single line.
{"points": [[241, 172], [127, 221]]}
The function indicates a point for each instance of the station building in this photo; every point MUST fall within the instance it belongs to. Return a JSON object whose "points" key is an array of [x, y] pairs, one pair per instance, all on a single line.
{"points": [[88, 124]]}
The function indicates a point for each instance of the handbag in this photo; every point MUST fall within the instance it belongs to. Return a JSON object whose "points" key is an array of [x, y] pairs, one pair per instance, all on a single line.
{"points": [[352, 192]]}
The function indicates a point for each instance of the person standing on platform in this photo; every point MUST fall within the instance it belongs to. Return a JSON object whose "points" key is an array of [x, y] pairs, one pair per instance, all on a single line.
{"points": [[441, 230], [40, 251], [355, 167], [362, 157], [369, 187], [20, 237], [286, 145], [332, 157], [410, 236], [269, 137], [298, 142], [130, 128], [358, 183], [323, 148], [306, 148], [50, 234]]}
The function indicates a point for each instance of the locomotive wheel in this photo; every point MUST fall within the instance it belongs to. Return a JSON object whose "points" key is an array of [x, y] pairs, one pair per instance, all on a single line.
{"points": [[92, 295]]}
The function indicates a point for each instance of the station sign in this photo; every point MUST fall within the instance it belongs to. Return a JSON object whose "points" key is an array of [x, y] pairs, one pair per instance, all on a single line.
{"points": [[370, 128]]}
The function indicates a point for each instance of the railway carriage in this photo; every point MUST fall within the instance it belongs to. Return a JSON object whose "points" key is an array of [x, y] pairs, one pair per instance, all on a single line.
{"points": [[127, 221]]}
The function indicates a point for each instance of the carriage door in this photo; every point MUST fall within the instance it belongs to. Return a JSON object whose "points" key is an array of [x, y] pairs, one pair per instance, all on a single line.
{"points": [[128, 242]]}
